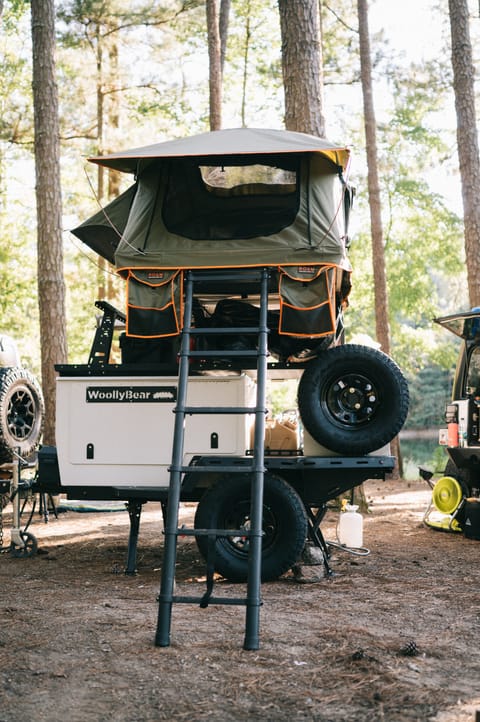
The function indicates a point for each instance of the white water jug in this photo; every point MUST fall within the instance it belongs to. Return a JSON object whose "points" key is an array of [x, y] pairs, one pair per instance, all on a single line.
{"points": [[350, 528]]}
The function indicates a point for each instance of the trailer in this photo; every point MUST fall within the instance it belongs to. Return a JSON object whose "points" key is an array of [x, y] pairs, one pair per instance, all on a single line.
{"points": [[115, 438], [233, 246]]}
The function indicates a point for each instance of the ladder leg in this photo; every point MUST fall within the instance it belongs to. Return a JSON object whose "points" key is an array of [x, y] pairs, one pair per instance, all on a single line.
{"points": [[162, 637], [254, 602]]}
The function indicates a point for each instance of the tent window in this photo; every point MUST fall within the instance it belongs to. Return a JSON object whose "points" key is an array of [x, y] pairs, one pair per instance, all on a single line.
{"points": [[222, 202], [225, 181]]}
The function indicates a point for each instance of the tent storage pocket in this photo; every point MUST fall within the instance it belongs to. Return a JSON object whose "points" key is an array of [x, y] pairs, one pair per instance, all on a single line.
{"points": [[307, 300], [154, 303]]}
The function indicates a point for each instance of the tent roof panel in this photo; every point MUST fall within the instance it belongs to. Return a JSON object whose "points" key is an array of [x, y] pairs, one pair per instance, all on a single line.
{"points": [[234, 141]]}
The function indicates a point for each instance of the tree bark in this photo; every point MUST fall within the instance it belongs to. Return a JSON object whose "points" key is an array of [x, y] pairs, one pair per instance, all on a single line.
{"points": [[99, 50], [246, 52], [374, 200], [382, 326], [223, 29], [302, 66], [51, 287], [215, 63], [467, 140]]}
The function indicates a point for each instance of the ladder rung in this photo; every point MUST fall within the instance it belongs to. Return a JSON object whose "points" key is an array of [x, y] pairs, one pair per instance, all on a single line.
{"points": [[216, 532], [219, 410], [240, 469], [211, 600]]}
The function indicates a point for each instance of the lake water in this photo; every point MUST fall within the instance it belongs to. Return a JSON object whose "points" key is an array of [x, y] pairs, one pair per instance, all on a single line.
{"points": [[424, 452]]}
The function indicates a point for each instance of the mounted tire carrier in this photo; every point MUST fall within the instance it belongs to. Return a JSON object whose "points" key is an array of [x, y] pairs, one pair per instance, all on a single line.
{"points": [[233, 245], [22, 412]]}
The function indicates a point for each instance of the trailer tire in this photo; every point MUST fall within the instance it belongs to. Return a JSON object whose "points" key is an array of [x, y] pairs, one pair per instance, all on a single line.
{"points": [[353, 399], [227, 506], [22, 413]]}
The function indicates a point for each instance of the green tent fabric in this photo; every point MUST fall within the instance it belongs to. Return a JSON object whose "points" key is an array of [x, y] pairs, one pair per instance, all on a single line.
{"points": [[169, 219], [103, 231], [316, 233], [228, 199], [232, 141]]}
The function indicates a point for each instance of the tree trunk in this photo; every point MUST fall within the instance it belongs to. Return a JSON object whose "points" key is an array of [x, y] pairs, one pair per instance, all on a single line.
{"points": [[223, 29], [101, 263], [246, 51], [302, 66], [378, 250], [51, 287], [108, 119], [374, 201], [215, 63], [467, 140], [113, 120]]}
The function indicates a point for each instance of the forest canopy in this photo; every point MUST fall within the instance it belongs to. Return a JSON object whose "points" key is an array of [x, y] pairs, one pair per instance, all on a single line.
{"points": [[129, 74]]}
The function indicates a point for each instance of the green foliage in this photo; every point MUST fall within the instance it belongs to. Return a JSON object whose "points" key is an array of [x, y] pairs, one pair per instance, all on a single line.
{"points": [[161, 83], [18, 300], [15, 71], [81, 283], [281, 397], [253, 72], [430, 390], [14, 12], [340, 30], [423, 236]]}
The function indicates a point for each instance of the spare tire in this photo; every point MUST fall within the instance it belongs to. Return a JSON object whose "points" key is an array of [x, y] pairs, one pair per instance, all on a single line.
{"points": [[353, 399], [227, 506], [22, 413]]}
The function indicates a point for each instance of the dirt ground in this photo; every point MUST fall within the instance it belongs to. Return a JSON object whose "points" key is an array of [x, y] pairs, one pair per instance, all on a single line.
{"points": [[77, 635]]}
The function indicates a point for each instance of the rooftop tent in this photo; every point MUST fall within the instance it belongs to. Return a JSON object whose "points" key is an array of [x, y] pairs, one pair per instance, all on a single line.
{"points": [[229, 199], [237, 197]]}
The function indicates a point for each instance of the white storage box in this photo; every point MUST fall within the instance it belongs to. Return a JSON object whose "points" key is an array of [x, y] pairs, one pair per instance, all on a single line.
{"points": [[118, 431], [313, 448]]}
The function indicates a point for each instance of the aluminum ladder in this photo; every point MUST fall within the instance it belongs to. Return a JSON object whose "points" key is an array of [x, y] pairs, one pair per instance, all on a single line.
{"points": [[252, 601]]}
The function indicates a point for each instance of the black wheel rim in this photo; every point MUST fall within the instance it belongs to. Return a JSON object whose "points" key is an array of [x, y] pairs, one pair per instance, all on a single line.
{"points": [[21, 414], [239, 518], [351, 399], [28, 550]]}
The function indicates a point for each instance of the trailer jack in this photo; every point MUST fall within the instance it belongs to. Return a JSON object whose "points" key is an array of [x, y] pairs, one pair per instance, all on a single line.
{"points": [[23, 544]]}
